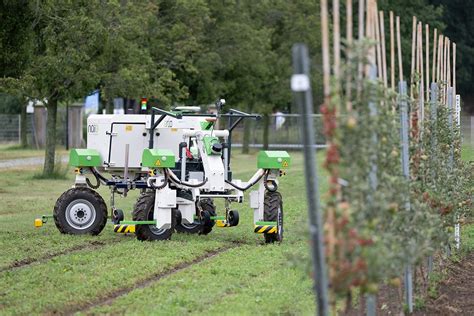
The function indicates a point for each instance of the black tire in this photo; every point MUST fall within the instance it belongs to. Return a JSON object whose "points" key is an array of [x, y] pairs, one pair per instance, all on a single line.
{"points": [[143, 211], [208, 206], [273, 212], [186, 228], [80, 211], [233, 218], [117, 216]]}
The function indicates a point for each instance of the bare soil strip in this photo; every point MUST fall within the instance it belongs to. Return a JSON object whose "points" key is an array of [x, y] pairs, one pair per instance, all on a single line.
{"points": [[112, 296], [93, 245], [456, 291]]}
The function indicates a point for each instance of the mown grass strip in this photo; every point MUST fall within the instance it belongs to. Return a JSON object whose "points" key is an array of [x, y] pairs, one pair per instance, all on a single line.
{"points": [[90, 246], [109, 298], [246, 280], [83, 276]]}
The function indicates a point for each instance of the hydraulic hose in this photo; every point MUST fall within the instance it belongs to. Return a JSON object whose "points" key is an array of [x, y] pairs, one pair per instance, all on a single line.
{"points": [[93, 186], [248, 185], [161, 186], [173, 178], [272, 188]]}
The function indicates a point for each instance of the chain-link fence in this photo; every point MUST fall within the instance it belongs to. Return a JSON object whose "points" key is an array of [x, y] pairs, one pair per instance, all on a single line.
{"points": [[284, 130], [10, 128]]}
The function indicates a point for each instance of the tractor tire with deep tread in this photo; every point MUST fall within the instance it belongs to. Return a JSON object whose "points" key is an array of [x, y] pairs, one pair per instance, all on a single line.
{"points": [[273, 209], [207, 205], [143, 211], [80, 211]]}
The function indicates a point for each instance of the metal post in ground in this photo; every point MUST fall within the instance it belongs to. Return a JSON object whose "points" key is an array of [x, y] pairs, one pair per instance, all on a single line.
{"points": [[453, 110], [302, 95], [433, 118], [402, 86], [370, 299]]}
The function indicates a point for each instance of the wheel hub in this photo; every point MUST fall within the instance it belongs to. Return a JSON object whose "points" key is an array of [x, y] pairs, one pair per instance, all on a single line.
{"points": [[80, 214]]}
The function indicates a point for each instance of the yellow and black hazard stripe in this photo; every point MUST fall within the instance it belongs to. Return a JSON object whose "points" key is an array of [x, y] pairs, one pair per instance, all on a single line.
{"points": [[124, 228], [265, 229]]}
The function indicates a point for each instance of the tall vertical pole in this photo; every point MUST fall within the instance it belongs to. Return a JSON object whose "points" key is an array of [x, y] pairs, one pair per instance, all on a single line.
{"points": [[392, 52], [302, 95], [435, 38], [384, 56], [433, 118], [427, 59], [325, 47], [370, 302], [406, 173], [337, 39]]}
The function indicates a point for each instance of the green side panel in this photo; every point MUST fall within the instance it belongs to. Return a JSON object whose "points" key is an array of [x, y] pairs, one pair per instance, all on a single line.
{"points": [[138, 223], [205, 125], [84, 158], [208, 141], [158, 158], [266, 223], [273, 159]]}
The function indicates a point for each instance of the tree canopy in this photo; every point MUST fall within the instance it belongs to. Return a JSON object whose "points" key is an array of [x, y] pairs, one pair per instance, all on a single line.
{"points": [[184, 51]]}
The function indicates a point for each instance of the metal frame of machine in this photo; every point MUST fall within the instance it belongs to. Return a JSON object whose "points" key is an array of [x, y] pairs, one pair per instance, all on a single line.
{"points": [[181, 163]]}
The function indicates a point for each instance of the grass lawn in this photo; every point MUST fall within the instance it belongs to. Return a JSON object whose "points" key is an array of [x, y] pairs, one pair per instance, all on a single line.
{"points": [[68, 272], [467, 153], [229, 271]]}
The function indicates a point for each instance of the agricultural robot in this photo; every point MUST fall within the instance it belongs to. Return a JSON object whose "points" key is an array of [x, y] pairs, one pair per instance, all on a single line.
{"points": [[181, 163]]}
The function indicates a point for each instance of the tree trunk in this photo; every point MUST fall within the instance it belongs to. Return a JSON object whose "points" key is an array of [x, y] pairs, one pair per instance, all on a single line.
{"points": [[266, 129], [110, 106], [50, 149], [246, 140], [23, 118]]}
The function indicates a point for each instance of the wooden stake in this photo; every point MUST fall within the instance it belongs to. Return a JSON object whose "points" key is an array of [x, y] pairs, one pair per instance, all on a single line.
{"points": [[454, 70], [378, 39], [420, 56], [417, 50], [435, 37], [440, 52], [325, 48], [349, 54], [443, 73], [443, 68], [370, 34], [361, 19], [399, 46], [413, 42], [361, 36], [349, 22], [392, 53], [448, 66], [422, 88], [427, 58], [384, 57], [337, 39]]}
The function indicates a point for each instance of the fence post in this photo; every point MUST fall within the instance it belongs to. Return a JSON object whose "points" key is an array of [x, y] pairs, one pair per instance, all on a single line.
{"points": [[402, 86], [301, 87]]}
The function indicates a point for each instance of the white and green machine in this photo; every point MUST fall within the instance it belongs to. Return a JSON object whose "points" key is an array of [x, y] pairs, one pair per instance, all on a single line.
{"points": [[181, 163]]}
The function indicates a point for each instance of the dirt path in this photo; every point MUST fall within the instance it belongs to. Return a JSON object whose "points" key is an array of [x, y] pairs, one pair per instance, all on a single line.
{"points": [[456, 292]]}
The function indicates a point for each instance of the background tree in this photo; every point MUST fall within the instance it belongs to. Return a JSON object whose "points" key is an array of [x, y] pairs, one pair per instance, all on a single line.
{"points": [[16, 37], [458, 18]]}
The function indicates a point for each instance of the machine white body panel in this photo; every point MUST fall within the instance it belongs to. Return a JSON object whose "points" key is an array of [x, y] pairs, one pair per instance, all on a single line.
{"points": [[110, 133]]}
